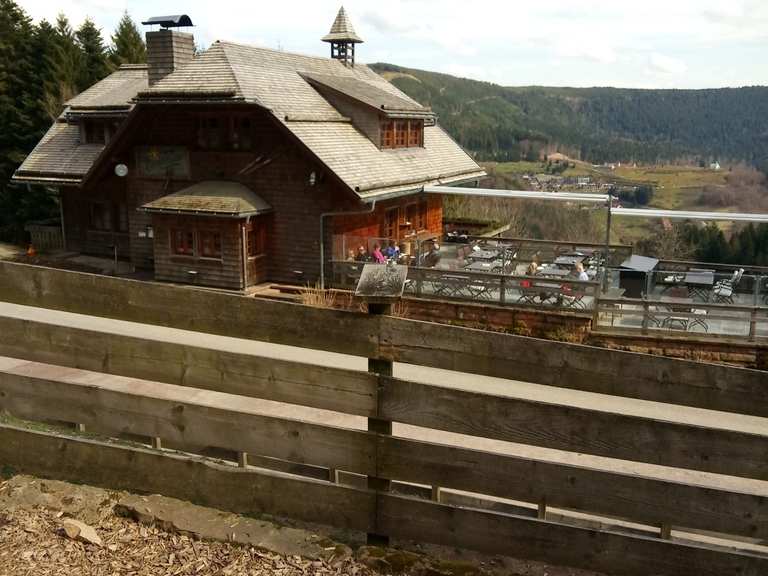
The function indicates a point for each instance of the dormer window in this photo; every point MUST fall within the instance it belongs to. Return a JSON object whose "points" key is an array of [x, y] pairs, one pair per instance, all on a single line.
{"points": [[402, 133], [97, 131]]}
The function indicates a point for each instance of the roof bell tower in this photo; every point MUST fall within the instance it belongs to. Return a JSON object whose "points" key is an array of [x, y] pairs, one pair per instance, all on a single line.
{"points": [[342, 39]]}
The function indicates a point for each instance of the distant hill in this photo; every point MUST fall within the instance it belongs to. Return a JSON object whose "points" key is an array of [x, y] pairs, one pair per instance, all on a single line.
{"points": [[594, 124]]}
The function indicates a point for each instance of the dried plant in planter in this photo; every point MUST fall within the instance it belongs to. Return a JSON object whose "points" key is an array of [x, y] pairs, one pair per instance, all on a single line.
{"points": [[317, 297]]}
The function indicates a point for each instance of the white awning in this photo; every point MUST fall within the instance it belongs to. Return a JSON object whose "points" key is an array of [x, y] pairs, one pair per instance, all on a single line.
{"points": [[525, 194], [688, 215]]}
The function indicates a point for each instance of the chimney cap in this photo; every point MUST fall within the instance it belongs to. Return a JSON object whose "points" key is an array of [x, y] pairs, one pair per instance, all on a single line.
{"points": [[174, 21]]}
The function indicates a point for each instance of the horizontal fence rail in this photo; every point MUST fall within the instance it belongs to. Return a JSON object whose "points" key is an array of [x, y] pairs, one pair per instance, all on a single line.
{"points": [[124, 385], [579, 367], [257, 493], [124, 406]]}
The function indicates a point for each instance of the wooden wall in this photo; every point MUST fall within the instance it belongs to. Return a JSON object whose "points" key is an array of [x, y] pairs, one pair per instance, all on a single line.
{"points": [[80, 235], [226, 272], [276, 168]]}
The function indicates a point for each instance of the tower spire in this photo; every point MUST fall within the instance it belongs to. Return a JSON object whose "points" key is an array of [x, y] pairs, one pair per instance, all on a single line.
{"points": [[342, 39]]}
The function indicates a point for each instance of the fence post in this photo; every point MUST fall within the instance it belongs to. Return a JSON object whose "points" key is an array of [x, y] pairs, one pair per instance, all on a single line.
{"points": [[383, 368], [753, 325], [645, 317]]}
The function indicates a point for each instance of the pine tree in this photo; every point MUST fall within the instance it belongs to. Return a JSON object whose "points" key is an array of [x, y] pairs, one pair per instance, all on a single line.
{"points": [[127, 44], [94, 63], [47, 84], [21, 119], [68, 59]]}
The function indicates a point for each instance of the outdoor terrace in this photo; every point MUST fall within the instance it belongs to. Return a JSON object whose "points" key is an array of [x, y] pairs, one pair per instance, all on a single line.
{"points": [[670, 297]]}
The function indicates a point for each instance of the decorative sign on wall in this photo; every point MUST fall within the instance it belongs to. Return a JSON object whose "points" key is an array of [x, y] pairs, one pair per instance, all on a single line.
{"points": [[162, 161]]}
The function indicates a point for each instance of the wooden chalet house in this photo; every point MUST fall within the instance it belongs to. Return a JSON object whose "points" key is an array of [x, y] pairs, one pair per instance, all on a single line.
{"points": [[240, 164]]}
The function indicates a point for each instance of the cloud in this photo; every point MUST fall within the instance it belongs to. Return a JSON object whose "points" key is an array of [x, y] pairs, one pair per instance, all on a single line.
{"points": [[661, 64]]}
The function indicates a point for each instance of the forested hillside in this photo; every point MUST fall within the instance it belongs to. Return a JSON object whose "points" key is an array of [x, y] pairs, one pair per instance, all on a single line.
{"points": [[42, 66], [595, 124]]}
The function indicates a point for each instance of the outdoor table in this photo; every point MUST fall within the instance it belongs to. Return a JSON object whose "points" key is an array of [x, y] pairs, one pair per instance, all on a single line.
{"points": [[484, 266], [570, 260], [483, 255], [554, 272], [699, 283]]}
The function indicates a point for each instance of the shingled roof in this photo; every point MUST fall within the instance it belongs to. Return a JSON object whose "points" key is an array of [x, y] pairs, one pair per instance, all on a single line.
{"points": [[291, 87], [282, 83], [213, 198], [116, 91], [60, 157], [342, 30]]}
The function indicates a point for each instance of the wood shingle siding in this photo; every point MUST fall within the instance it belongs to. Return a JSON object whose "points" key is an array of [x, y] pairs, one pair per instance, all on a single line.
{"points": [[224, 272]]}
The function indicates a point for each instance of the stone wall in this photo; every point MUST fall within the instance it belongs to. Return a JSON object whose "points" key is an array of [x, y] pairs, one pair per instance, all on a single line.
{"points": [[745, 354]]}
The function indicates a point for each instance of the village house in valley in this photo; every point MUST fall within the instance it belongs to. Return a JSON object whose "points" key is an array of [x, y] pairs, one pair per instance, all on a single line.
{"points": [[240, 165]]}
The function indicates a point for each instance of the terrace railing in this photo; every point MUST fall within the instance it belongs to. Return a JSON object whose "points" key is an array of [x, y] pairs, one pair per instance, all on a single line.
{"points": [[484, 287], [690, 318]]}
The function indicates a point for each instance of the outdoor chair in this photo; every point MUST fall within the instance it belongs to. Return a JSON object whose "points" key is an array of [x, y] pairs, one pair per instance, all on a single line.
{"points": [[528, 293], [571, 298], [724, 289]]}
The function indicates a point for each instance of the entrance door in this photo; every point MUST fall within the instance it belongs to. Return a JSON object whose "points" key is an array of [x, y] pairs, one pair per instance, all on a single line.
{"points": [[255, 250]]}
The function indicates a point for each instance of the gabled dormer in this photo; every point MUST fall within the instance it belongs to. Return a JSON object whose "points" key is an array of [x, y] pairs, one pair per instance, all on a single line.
{"points": [[388, 120]]}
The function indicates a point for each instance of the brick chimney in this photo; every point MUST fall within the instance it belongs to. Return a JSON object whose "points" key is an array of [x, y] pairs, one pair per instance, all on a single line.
{"points": [[168, 50]]}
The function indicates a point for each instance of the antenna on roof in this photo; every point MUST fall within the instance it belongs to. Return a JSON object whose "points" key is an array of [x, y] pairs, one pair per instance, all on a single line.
{"points": [[175, 21], [343, 38]]}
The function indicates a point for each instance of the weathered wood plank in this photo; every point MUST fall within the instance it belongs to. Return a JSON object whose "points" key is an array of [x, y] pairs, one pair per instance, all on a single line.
{"points": [[337, 389], [573, 429], [507, 356], [196, 480], [215, 312], [579, 367], [114, 405], [641, 499], [608, 552]]}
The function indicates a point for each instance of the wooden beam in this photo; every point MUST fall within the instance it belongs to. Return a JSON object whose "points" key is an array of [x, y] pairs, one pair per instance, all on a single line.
{"points": [[113, 405], [194, 479], [523, 537], [614, 372], [256, 493], [632, 497], [216, 312], [578, 367], [348, 391], [574, 429]]}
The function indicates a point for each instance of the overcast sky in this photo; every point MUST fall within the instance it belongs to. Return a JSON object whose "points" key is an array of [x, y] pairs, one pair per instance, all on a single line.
{"points": [[626, 43]]}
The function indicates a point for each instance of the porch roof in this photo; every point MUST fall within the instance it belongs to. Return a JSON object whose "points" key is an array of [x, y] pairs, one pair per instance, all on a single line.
{"points": [[211, 198]]}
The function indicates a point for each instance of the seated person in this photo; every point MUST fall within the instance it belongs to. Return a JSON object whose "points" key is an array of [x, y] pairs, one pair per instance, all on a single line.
{"points": [[351, 256], [377, 255], [432, 258], [392, 252], [580, 273], [362, 255], [533, 268]]}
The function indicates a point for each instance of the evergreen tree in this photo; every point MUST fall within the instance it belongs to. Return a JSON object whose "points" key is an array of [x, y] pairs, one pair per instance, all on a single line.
{"points": [[47, 84], [21, 120], [94, 55], [68, 60], [127, 44]]}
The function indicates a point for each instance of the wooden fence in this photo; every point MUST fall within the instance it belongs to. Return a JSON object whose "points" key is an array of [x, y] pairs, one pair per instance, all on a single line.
{"points": [[71, 373]]}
